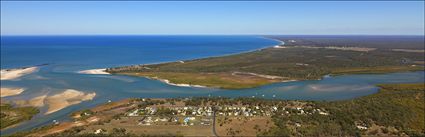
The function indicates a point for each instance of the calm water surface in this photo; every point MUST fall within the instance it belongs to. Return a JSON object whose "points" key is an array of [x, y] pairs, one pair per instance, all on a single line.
{"points": [[68, 54]]}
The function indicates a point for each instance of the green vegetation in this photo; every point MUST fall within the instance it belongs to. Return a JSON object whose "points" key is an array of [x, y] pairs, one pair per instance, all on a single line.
{"points": [[381, 42], [376, 70], [218, 80], [397, 109], [276, 64], [115, 132], [13, 115]]}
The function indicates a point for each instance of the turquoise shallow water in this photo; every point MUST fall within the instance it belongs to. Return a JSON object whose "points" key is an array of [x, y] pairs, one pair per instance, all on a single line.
{"points": [[66, 55]]}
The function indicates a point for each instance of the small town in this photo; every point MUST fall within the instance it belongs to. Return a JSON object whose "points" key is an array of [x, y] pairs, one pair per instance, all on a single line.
{"points": [[219, 114], [190, 115]]}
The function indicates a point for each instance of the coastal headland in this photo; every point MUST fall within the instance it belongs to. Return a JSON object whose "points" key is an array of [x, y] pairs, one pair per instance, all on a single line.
{"points": [[281, 63]]}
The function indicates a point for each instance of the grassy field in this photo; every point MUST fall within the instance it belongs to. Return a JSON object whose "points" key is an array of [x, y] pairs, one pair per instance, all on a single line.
{"points": [[14, 115], [243, 126], [256, 68]]}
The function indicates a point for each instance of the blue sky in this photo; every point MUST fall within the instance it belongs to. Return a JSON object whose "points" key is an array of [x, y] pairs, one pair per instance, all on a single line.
{"points": [[237, 17]]}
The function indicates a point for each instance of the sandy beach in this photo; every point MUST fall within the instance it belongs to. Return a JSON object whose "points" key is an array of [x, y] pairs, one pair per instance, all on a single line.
{"points": [[58, 101], [94, 71], [10, 74], [4, 92]]}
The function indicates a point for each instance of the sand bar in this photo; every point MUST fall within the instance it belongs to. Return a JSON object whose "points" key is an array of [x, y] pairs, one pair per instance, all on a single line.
{"points": [[94, 71], [10, 74], [166, 81], [58, 101], [4, 92]]}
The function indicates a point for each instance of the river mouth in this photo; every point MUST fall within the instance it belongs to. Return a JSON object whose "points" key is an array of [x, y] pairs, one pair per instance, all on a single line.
{"points": [[61, 74], [111, 87]]}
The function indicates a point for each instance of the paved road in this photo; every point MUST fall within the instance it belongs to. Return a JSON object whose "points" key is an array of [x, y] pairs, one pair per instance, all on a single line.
{"points": [[215, 133]]}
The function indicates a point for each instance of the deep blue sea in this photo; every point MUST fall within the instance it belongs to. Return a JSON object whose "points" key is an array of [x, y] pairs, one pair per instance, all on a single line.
{"points": [[66, 55]]}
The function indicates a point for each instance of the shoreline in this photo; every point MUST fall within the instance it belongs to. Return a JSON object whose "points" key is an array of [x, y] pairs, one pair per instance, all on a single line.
{"points": [[214, 56], [166, 81], [240, 82]]}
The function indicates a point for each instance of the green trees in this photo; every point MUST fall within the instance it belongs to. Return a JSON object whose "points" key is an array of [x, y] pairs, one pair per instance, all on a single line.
{"points": [[399, 106]]}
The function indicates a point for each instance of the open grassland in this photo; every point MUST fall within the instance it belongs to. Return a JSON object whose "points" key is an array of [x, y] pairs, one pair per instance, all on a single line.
{"points": [[14, 115], [396, 110], [271, 65]]}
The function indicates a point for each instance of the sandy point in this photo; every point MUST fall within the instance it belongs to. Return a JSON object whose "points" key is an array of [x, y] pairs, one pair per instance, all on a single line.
{"points": [[94, 71], [10, 74]]}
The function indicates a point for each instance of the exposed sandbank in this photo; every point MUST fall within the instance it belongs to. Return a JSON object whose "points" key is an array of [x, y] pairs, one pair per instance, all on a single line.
{"points": [[179, 85], [94, 71], [4, 92], [58, 101], [67, 98], [10, 74], [258, 75], [201, 86]]}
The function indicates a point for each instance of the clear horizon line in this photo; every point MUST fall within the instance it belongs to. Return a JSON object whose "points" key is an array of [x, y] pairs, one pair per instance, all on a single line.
{"points": [[213, 35]]}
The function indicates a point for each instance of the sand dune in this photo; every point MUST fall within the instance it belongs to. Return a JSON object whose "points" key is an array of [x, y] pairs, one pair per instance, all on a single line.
{"points": [[58, 101], [10, 74], [94, 71], [4, 92]]}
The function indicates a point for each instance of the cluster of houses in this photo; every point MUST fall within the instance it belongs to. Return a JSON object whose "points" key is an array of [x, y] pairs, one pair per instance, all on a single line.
{"points": [[182, 111], [228, 111], [264, 111], [183, 121], [184, 116]]}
